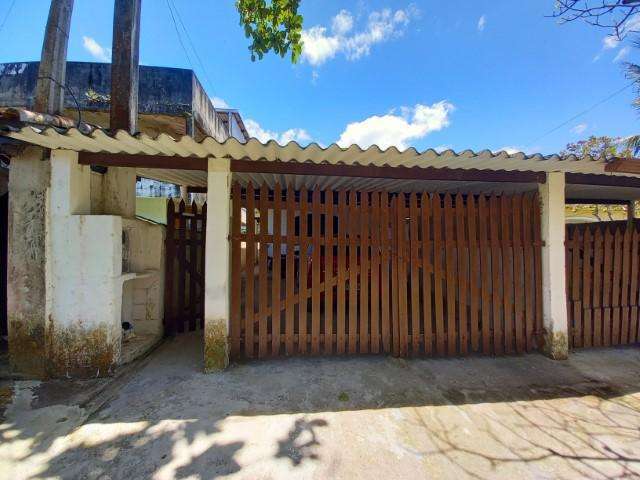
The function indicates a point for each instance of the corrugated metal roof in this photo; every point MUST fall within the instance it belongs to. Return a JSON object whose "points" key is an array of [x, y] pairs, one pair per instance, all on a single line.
{"points": [[122, 142]]}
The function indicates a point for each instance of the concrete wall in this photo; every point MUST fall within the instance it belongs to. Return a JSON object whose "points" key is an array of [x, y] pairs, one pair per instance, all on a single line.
{"points": [[143, 296]]}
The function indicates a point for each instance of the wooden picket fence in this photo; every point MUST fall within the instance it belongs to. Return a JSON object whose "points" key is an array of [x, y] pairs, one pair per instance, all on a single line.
{"points": [[336, 272], [184, 267], [602, 283]]}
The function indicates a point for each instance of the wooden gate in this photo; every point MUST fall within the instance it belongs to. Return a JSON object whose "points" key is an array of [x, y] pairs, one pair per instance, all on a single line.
{"points": [[184, 267], [324, 272], [602, 283]]}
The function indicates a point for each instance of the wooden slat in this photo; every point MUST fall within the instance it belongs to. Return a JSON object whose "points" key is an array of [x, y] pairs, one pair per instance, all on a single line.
{"points": [[474, 273], [364, 273], [496, 273], [633, 292], [315, 271], [626, 281], [537, 265], [236, 272], [606, 286], [385, 244], [169, 311], [403, 258], [438, 274], [341, 306], [263, 274], [395, 323], [182, 265], [193, 262], [507, 273], [518, 275], [451, 283], [276, 276], [485, 267], [575, 328], [462, 248], [250, 272], [587, 275], [615, 291], [203, 242], [427, 271], [353, 271], [290, 272], [328, 272], [597, 287], [528, 273], [375, 272], [302, 272], [414, 219]]}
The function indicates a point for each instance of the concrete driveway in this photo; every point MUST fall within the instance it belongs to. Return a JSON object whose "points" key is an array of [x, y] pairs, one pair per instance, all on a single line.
{"points": [[351, 418]]}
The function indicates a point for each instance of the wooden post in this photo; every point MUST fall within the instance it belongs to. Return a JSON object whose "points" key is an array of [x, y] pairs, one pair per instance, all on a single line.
{"points": [[49, 97], [124, 65]]}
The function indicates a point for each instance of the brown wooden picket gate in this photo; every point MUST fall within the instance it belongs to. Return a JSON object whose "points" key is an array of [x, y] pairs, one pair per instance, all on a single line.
{"points": [[602, 267], [184, 267], [335, 272]]}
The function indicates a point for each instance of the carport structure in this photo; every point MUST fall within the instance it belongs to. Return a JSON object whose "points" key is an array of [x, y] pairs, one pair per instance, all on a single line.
{"points": [[335, 251]]}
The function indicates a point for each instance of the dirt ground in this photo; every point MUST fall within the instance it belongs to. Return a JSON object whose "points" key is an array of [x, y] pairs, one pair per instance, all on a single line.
{"points": [[346, 418]]}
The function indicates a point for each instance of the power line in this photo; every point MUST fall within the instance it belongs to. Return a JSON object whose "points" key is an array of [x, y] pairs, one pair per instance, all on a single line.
{"points": [[193, 48], [179, 36], [587, 110], [4, 20]]}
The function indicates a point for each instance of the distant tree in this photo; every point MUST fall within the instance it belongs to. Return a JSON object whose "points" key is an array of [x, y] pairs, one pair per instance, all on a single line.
{"points": [[273, 25], [614, 15], [599, 146]]}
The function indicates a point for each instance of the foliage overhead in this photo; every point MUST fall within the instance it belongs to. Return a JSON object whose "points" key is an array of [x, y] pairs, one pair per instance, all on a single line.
{"points": [[598, 146], [272, 25]]}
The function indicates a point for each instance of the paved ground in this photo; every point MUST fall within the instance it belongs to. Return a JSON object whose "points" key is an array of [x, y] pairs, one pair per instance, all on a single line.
{"points": [[369, 418]]}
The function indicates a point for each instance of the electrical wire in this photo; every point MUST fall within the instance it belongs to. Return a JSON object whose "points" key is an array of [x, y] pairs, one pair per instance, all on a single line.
{"points": [[4, 20], [583, 112], [175, 25], [193, 48]]}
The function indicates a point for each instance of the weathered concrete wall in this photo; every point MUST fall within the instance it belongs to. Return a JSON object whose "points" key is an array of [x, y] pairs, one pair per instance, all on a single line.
{"points": [[143, 298], [217, 266], [84, 283], [29, 180], [162, 91], [97, 200], [119, 192]]}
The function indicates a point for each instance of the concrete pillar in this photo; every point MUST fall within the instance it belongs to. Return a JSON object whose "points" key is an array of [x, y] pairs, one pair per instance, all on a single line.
{"points": [[29, 183], [184, 194], [217, 266], [554, 303], [119, 192]]}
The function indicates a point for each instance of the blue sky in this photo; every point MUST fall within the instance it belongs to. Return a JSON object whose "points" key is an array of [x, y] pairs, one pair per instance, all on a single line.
{"points": [[457, 74]]}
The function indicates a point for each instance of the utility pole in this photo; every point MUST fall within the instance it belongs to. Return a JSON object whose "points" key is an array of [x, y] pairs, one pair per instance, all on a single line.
{"points": [[49, 97], [120, 182], [124, 65]]}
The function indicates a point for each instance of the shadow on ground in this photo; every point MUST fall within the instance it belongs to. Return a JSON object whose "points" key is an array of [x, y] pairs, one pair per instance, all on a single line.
{"points": [[368, 417]]}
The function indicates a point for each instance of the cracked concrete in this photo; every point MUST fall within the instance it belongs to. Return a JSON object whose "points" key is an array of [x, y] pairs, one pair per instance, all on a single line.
{"points": [[360, 417]]}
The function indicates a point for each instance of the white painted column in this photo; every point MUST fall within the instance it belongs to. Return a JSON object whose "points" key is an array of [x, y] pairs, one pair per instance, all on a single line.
{"points": [[554, 302], [217, 266]]}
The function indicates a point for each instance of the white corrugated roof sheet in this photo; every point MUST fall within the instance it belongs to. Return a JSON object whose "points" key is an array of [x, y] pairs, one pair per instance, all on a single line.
{"points": [[122, 142]]}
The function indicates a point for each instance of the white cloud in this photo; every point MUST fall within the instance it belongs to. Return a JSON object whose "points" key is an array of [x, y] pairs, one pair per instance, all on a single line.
{"points": [[320, 45], [219, 102], [609, 42], [580, 128], [622, 54], [397, 130], [482, 21], [96, 50], [509, 149], [442, 148], [293, 134]]}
